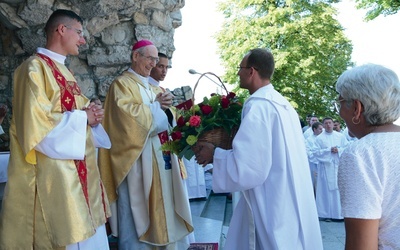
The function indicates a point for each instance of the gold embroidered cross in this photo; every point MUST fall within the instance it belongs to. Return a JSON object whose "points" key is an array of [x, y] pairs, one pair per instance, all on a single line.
{"points": [[67, 100], [59, 77]]}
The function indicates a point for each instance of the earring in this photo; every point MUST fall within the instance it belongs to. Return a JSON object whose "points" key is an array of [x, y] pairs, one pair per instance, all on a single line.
{"points": [[355, 123]]}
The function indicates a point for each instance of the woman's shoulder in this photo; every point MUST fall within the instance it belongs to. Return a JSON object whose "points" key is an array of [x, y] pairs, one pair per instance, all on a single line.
{"points": [[374, 143]]}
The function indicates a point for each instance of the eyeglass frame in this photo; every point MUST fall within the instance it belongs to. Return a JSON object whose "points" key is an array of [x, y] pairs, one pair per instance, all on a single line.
{"points": [[337, 104], [78, 31], [246, 67], [150, 58]]}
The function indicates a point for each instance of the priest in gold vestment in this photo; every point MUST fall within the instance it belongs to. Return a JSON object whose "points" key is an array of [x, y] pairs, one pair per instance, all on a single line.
{"points": [[148, 200], [54, 197]]}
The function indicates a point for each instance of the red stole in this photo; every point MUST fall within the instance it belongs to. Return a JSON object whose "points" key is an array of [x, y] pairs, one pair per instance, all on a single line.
{"points": [[68, 89]]}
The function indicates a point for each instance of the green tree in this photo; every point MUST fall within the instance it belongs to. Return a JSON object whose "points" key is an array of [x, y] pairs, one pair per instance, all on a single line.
{"points": [[308, 44], [376, 8]]}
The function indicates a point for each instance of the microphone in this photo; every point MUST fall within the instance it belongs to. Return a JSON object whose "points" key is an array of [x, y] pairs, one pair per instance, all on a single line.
{"points": [[220, 84]]}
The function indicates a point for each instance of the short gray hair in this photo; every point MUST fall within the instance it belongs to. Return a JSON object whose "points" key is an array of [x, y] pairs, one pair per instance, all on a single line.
{"points": [[376, 87]]}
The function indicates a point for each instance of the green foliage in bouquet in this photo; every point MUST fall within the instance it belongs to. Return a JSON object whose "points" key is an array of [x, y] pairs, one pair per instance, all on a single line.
{"points": [[218, 111]]}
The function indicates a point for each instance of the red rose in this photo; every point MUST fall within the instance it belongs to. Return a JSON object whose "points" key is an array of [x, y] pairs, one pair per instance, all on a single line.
{"points": [[176, 135], [195, 121], [206, 109], [225, 102], [181, 121], [231, 95]]}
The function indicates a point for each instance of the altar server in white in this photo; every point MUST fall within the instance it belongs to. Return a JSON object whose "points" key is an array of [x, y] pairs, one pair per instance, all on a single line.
{"points": [[268, 165], [330, 144]]}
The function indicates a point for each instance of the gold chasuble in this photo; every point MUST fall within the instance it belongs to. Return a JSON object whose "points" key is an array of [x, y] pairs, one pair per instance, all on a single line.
{"points": [[48, 203], [159, 205]]}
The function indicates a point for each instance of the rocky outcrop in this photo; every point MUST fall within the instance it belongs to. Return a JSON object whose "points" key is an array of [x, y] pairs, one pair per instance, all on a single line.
{"points": [[110, 27]]}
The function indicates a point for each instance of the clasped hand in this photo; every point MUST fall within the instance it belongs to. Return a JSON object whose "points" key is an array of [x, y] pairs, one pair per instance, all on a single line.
{"points": [[165, 99], [95, 113]]}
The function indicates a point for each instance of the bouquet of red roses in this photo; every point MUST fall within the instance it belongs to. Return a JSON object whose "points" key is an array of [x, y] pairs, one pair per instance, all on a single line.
{"points": [[217, 112]]}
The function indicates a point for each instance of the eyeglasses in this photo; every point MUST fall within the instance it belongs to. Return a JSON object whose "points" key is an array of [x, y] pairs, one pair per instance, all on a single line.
{"points": [[78, 31], [337, 104], [243, 67], [151, 58]]}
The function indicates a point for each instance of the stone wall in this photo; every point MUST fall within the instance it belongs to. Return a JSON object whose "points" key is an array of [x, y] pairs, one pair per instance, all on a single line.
{"points": [[110, 27]]}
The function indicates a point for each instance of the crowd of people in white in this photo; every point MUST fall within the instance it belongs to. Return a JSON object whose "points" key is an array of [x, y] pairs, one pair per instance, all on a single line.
{"points": [[325, 141]]}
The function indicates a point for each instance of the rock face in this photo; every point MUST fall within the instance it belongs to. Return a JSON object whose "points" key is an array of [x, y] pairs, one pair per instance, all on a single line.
{"points": [[110, 27]]}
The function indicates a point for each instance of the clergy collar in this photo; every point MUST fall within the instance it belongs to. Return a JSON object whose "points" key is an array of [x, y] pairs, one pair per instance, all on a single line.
{"points": [[145, 80], [53, 55], [153, 81]]}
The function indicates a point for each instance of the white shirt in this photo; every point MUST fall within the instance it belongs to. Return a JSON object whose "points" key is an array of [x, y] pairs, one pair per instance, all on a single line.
{"points": [[369, 184]]}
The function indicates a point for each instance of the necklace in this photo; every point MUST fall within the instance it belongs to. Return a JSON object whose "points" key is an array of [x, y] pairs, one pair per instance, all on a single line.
{"points": [[149, 96]]}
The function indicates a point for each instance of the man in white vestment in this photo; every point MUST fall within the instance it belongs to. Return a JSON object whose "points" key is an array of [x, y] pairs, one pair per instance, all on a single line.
{"points": [[307, 126], [309, 131], [268, 165], [330, 146], [337, 126], [150, 209], [311, 148]]}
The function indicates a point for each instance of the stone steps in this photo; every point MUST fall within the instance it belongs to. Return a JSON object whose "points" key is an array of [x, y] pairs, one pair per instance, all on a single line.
{"points": [[210, 218]]}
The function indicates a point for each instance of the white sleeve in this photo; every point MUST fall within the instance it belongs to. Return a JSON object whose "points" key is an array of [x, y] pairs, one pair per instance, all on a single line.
{"points": [[100, 137], [311, 148], [68, 139], [160, 119], [237, 169]]}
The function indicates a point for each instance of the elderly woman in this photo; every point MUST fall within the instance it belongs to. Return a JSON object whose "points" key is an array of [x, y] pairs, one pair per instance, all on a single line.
{"points": [[369, 170]]}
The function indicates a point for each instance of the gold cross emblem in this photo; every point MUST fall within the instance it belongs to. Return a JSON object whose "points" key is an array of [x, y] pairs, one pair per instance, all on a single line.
{"points": [[67, 100]]}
